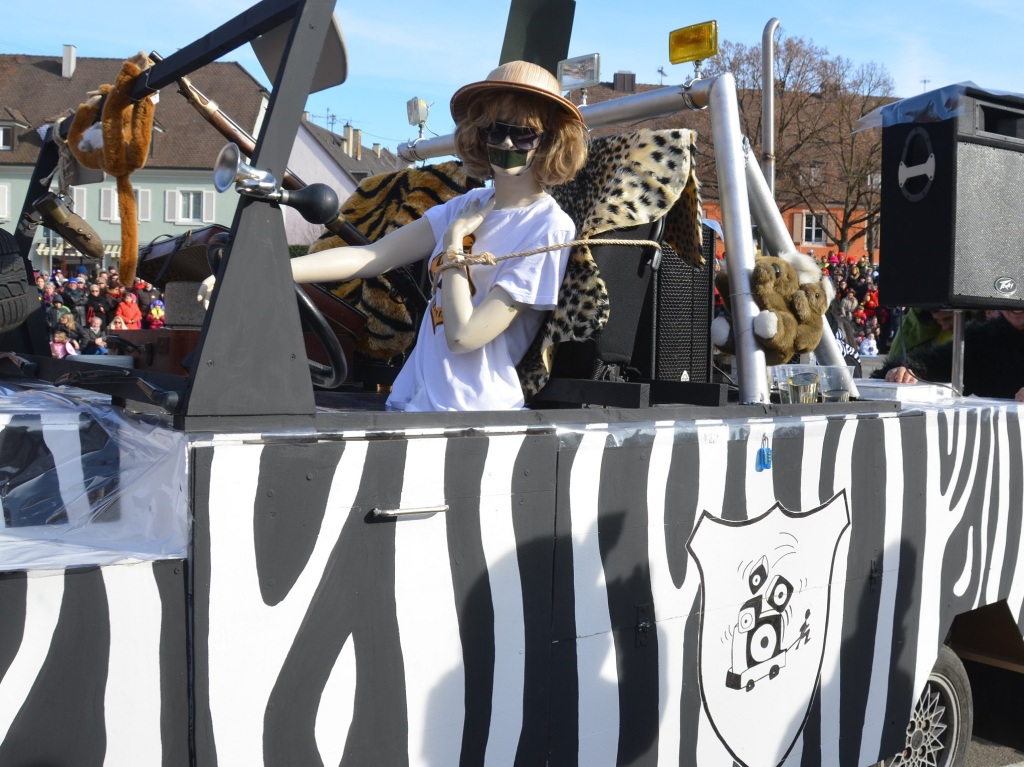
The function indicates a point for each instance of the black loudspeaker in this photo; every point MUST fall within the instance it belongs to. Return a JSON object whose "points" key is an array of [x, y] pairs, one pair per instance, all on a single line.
{"points": [[674, 337], [952, 219]]}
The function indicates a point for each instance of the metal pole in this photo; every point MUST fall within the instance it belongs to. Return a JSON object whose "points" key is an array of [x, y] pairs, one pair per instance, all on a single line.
{"points": [[780, 243], [638, 106], [776, 236], [768, 103], [739, 252], [958, 352]]}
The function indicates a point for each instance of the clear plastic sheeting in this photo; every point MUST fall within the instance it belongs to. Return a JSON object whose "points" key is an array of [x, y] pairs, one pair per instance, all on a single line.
{"points": [[929, 107], [84, 483]]}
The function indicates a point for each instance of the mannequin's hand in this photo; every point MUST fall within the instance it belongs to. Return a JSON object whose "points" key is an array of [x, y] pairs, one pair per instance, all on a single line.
{"points": [[206, 290], [1020, 396], [467, 222]]}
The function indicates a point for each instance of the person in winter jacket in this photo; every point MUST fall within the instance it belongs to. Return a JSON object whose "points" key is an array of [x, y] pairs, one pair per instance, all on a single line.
{"points": [[128, 310]]}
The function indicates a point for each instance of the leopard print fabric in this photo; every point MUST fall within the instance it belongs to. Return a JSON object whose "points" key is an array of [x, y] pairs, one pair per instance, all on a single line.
{"points": [[629, 179], [378, 206]]}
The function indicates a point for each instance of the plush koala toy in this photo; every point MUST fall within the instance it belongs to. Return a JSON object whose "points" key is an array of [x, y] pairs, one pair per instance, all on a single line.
{"points": [[791, 300], [809, 305]]}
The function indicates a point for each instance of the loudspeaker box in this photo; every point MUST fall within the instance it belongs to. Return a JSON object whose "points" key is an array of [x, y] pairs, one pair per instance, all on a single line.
{"points": [[952, 219]]}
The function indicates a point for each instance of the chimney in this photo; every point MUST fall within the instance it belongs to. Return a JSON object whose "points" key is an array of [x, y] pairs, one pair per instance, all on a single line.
{"points": [[305, 117], [625, 82], [349, 145], [357, 137], [68, 63], [376, 150]]}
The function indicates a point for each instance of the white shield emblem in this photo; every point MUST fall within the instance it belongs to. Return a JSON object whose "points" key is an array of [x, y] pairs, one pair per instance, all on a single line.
{"points": [[765, 586]]}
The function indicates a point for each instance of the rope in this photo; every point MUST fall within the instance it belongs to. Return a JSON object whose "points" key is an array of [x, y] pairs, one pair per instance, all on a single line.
{"points": [[456, 259], [64, 171]]}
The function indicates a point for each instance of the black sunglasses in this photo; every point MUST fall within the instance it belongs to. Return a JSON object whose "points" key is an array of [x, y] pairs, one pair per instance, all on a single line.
{"points": [[523, 137]]}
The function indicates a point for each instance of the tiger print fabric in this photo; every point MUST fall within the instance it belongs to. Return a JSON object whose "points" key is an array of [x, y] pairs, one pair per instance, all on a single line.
{"points": [[379, 205]]}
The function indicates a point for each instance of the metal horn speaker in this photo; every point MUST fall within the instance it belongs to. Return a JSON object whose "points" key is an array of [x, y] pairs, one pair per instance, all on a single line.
{"points": [[317, 203], [230, 169]]}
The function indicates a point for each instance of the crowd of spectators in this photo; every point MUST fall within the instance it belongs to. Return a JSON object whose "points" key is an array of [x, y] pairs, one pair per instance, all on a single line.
{"points": [[868, 327], [83, 309]]}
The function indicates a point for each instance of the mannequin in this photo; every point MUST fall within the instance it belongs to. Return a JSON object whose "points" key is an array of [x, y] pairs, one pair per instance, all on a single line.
{"points": [[516, 127]]}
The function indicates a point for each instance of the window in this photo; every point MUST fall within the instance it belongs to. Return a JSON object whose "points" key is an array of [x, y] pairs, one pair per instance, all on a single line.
{"points": [[188, 206], [78, 200], [191, 208], [814, 229], [6, 138], [144, 204], [5, 202], [110, 208], [809, 228]]}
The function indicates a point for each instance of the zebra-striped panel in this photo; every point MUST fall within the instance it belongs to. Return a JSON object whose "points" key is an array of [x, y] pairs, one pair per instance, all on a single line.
{"points": [[645, 594], [93, 666]]}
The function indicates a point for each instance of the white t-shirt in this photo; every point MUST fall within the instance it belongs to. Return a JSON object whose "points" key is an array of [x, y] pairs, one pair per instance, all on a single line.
{"points": [[434, 378]]}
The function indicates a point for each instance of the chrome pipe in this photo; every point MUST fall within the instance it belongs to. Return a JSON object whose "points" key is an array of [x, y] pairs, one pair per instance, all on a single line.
{"points": [[777, 238], [959, 323], [828, 353], [739, 253], [779, 242], [425, 148], [638, 106], [649, 104], [768, 103]]}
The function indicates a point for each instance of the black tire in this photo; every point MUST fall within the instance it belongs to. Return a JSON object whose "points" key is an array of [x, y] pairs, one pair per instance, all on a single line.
{"points": [[940, 730], [17, 297]]}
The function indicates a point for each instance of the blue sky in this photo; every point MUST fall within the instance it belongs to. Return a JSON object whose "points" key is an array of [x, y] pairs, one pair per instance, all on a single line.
{"points": [[398, 49]]}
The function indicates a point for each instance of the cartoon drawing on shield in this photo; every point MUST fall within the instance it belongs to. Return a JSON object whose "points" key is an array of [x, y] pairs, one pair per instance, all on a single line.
{"points": [[765, 590]]}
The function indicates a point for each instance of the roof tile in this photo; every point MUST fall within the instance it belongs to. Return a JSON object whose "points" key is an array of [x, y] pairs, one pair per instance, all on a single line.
{"points": [[32, 87]]}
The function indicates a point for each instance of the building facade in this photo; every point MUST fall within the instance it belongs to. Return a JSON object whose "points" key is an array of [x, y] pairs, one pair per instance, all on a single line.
{"points": [[174, 191]]}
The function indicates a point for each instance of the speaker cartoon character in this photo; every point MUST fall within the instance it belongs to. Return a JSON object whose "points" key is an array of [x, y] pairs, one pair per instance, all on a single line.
{"points": [[766, 583], [761, 626]]}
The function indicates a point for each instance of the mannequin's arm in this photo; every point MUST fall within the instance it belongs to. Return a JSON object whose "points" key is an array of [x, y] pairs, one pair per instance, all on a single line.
{"points": [[403, 246], [467, 327]]}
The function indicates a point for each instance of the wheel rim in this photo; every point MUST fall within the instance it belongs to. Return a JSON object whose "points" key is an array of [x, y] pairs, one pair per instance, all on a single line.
{"points": [[933, 730]]}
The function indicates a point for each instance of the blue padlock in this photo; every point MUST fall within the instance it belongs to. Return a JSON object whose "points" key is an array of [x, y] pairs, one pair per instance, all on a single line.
{"points": [[764, 455]]}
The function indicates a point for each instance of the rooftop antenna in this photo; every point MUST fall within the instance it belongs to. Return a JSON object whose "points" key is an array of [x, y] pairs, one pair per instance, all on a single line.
{"points": [[924, 84], [663, 73], [329, 119]]}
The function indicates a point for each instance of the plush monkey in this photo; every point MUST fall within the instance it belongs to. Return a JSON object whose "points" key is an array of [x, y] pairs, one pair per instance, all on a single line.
{"points": [[117, 142]]}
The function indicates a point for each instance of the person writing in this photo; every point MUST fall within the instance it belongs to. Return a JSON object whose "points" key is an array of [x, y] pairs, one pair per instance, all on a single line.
{"points": [[516, 127], [993, 359]]}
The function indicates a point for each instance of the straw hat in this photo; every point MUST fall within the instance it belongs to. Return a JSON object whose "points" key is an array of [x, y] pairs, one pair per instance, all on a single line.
{"points": [[519, 76]]}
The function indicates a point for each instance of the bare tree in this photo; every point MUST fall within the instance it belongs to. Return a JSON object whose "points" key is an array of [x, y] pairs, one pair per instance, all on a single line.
{"points": [[820, 162]]}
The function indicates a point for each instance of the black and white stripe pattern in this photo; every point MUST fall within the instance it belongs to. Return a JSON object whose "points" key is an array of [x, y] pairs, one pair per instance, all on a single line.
{"points": [[93, 666], [506, 628]]}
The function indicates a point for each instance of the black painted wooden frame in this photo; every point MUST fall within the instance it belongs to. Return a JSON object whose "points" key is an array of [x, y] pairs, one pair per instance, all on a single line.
{"points": [[250, 360]]}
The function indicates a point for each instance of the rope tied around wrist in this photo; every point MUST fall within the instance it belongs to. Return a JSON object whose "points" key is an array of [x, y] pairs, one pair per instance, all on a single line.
{"points": [[457, 259]]}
